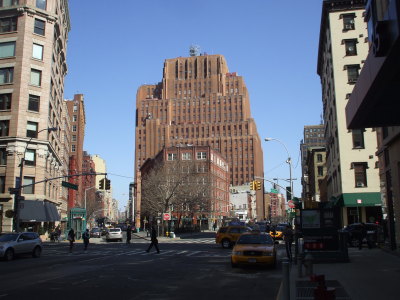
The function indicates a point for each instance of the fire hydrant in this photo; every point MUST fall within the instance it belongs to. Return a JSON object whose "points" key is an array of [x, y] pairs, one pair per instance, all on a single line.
{"points": [[308, 264]]}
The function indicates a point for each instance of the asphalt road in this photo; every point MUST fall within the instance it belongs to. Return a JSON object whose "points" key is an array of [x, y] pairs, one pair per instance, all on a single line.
{"points": [[192, 268]]}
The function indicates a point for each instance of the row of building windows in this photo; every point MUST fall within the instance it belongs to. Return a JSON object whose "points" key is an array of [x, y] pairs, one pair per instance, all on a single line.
{"points": [[42, 4], [7, 76]]}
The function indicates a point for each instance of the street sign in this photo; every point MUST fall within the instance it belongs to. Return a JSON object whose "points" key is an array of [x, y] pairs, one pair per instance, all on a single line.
{"points": [[69, 185], [291, 204], [275, 191], [166, 216]]}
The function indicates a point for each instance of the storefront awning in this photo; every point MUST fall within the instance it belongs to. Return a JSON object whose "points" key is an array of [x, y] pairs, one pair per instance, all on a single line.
{"points": [[52, 214], [361, 199], [38, 211], [32, 211]]}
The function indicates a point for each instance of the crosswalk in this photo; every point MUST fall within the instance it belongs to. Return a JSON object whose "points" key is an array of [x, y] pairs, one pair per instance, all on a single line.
{"points": [[135, 252]]}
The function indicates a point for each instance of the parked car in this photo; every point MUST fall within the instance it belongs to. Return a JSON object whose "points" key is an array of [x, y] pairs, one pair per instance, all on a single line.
{"points": [[254, 248], [95, 232], [12, 244], [114, 234], [228, 235], [374, 233]]}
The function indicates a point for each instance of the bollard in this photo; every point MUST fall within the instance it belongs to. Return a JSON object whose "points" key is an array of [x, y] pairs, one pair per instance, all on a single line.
{"points": [[286, 280], [308, 264], [300, 265]]}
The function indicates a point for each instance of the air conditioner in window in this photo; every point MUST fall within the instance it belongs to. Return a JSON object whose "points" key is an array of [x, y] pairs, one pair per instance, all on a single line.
{"points": [[348, 26], [360, 184]]}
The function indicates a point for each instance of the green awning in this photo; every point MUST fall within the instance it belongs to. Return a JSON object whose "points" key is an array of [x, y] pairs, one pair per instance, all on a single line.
{"points": [[361, 199]]}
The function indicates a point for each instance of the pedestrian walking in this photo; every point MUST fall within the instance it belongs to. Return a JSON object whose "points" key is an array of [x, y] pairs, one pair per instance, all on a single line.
{"points": [[288, 238], [128, 234], [58, 230], [362, 233], [215, 226], [71, 239], [86, 237], [154, 240]]}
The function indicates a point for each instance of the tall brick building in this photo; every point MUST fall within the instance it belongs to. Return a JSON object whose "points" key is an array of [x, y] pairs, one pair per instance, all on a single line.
{"points": [[199, 102]]}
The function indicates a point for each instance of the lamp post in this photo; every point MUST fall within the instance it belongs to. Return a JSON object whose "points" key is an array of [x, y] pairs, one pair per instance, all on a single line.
{"points": [[288, 161], [21, 171]]}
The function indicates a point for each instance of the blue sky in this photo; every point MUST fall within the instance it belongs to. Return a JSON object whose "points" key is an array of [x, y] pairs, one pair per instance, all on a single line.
{"points": [[116, 46]]}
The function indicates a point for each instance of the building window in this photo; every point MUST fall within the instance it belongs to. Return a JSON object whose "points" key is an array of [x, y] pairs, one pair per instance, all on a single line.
{"points": [[73, 128], [186, 156], [75, 108], [37, 51], [352, 73], [360, 174], [5, 101], [2, 185], [358, 138], [73, 148], [32, 129], [74, 138], [8, 24], [39, 27], [36, 77], [41, 4], [7, 49], [320, 171], [4, 127], [31, 188], [5, 3], [351, 47], [172, 156], [319, 157], [348, 22], [74, 118], [34, 102], [6, 75], [3, 156], [201, 155], [30, 157]]}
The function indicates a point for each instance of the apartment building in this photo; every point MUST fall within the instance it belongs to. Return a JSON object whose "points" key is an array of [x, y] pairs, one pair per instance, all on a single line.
{"points": [[76, 111], [199, 102], [352, 167], [207, 175], [374, 103], [313, 136], [316, 172], [33, 44]]}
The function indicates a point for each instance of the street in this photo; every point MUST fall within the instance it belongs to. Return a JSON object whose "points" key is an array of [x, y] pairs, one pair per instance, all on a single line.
{"points": [[194, 268]]}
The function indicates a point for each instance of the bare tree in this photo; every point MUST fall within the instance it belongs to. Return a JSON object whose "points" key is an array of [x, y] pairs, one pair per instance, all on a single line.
{"points": [[178, 186]]}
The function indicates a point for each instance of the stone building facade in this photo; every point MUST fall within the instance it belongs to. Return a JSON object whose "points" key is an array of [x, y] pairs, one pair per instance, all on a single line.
{"points": [[199, 102], [33, 42]]}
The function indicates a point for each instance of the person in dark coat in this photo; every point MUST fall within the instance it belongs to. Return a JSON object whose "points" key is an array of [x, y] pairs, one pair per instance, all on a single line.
{"points": [[128, 234], [154, 240], [288, 238], [362, 233], [71, 239], [86, 237]]}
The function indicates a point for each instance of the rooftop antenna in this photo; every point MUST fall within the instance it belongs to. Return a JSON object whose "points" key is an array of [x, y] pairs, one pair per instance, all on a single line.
{"points": [[194, 50]]}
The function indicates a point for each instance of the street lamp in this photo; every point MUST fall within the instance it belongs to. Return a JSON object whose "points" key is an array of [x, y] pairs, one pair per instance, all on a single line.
{"points": [[21, 170], [288, 161]]}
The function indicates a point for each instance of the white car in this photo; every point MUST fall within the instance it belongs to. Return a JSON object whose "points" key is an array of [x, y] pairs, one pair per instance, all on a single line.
{"points": [[12, 244], [114, 234]]}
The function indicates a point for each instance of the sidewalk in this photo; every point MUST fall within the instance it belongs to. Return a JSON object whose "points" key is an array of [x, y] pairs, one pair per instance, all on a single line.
{"points": [[371, 274]]}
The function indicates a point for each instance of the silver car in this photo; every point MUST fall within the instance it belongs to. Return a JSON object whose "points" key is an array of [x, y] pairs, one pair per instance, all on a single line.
{"points": [[12, 244], [114, 234]]}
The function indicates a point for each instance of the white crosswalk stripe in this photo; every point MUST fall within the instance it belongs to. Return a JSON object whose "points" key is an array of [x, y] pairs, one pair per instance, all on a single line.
{"points": [[135, 252]]}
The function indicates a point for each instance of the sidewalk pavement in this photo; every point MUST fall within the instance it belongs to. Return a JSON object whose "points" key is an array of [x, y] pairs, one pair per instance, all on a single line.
{"points": [[370, 274]]}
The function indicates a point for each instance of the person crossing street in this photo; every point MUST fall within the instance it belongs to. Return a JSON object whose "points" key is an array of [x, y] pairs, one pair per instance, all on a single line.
{"points": [[154, 240], [86, 237]]}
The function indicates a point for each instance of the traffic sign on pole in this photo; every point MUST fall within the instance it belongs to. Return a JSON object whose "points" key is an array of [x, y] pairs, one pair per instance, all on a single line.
{"points": [[166, 216], [291, 204], [69, 185]]}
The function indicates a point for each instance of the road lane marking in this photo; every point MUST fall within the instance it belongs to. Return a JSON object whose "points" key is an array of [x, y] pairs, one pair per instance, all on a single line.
{"points": [[193, 253]]}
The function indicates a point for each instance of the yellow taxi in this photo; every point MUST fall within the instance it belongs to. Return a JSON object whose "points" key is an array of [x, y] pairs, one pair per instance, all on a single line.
{"points": [[278, 232], [254, 248], [227, 235]]}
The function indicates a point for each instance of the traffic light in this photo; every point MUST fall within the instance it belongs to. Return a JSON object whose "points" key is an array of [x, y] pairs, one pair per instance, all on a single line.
{"points": [[288, 193], [252, 186], [258, 185], [101, 184], [108, 183]]}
